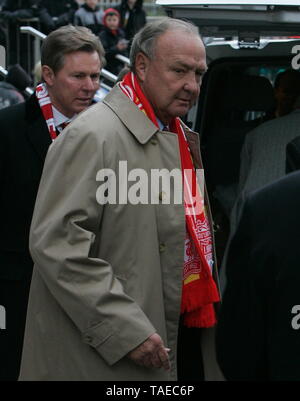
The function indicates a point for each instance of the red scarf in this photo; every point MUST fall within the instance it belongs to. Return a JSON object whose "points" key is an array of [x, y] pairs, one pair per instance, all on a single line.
{"points": [[45, 103], [199, 290]]}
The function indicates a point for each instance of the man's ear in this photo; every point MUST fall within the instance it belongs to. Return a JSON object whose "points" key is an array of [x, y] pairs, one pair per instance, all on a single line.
{"points": [[141, 66], [48, 75]]}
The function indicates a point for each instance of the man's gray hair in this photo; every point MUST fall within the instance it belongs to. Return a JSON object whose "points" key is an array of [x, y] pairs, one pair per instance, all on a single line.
{"points": [[145, 40]]}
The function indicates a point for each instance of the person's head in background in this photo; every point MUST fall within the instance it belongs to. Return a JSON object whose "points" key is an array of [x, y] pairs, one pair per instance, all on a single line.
{"points": [[131, 3], [111, 19], [71, 59], [287, 89], [92, 3]]}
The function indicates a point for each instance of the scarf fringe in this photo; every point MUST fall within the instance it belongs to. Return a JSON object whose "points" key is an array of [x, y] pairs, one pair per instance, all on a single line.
{"points": [[197, 303], [196, 295]]}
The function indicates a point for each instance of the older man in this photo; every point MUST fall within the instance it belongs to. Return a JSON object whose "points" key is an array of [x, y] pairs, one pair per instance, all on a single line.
{"points": [[71, 63], [124, 283]]}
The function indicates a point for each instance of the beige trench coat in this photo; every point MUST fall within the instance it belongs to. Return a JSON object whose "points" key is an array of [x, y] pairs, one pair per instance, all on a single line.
{"points": [[105, 277]]}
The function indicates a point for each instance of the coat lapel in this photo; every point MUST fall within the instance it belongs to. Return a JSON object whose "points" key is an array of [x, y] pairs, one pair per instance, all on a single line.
{"points": [[137, 122], [37, 130]]}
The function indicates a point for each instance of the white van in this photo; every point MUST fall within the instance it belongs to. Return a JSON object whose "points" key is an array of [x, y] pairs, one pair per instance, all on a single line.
{"points": [[247, 46]]}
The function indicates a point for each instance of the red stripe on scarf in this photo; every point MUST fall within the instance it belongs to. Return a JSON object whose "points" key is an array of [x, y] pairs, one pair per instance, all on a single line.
{"points": [[45, 103]]}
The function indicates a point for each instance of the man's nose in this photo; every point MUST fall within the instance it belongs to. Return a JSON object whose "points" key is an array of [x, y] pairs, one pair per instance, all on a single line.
{"points": [[192, 83], [89, 84]]}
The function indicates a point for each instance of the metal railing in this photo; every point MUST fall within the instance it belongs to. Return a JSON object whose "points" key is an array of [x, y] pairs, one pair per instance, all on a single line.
{"points": [[123, 59], [38, 38]]}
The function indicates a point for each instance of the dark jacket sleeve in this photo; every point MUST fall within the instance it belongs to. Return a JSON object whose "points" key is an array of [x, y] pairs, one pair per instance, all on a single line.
{"points": [[46, 20], [241, 331]]}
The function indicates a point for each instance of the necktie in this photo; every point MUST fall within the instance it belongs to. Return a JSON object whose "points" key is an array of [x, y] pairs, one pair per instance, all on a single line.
{"points": [[63, 125], [60, 127]]}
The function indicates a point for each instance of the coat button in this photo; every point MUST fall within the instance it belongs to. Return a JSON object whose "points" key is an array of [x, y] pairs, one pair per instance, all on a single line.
{"points": [[153, 141], [89, 339], [162, 247]]}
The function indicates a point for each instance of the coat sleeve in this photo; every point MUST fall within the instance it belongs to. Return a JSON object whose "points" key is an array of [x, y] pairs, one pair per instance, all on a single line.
{"points": [[66, 220]]}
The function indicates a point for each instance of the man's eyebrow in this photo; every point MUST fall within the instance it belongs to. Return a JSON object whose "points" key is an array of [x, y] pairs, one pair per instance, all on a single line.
{"points": [[86, 73], [185, 65]]}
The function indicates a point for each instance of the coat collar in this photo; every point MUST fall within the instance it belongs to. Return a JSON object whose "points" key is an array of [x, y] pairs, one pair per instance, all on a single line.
{"points": [[137, 123], [194, 145], [37, 130]]}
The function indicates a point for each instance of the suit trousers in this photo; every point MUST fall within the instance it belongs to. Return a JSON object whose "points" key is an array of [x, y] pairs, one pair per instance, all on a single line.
{"points": [[189, 354], [14, 298]]}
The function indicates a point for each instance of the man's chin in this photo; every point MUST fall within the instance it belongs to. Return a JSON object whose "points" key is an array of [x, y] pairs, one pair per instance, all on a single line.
{"points": [[82, 105], [181, 111]]}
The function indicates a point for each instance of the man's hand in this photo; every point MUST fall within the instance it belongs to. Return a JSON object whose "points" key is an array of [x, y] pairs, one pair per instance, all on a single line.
{"points": [[151, 353]]}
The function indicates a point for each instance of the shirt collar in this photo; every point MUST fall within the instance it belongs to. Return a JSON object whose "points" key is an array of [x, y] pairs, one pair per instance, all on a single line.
{"points": [[161, 125], [60, 118]]}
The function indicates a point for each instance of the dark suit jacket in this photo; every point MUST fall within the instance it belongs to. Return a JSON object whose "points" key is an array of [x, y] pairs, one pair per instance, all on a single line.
{"points": [[255, 337], [24, 141]]}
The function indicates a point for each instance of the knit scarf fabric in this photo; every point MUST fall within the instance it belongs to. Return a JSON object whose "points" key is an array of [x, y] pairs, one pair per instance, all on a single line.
{"points": [[199, 290], [45, 103]]}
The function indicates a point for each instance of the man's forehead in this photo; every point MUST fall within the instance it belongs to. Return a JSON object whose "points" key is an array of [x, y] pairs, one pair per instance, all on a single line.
{"points": [[75, 59], [177, 41], [180, 34]]}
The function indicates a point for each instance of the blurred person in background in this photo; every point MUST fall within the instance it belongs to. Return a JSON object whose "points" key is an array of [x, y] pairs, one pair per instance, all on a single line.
{"points": [[113, 40], [13, 11], [56, 13], [287, 89], [89, 15], [133, 17]]}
